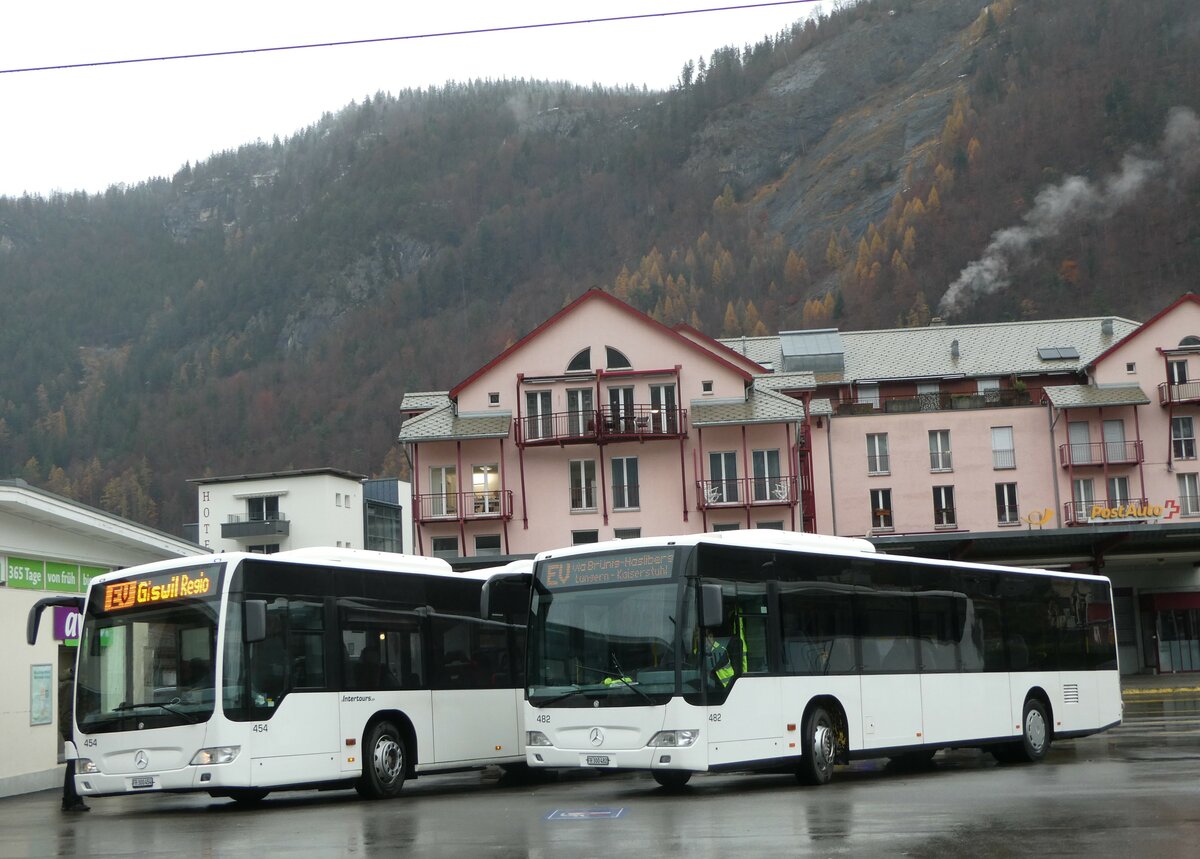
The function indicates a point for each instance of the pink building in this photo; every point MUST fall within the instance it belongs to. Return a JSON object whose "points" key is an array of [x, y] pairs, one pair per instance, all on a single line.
{"points": [[1065, 443], [602, 423]]}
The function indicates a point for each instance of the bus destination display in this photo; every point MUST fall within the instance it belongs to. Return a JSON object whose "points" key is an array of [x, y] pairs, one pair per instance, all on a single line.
{"points": [[617, 569], [162, 588]]}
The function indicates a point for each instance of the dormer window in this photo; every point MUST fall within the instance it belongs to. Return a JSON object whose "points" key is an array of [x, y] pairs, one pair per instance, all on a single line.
{"points": [[617, 359], [582, 362]]}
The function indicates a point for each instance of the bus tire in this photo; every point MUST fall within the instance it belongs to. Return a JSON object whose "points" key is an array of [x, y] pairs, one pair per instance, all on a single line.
{"points": [[818, 748], [672, 779], [385, 762], [1035, 732]]}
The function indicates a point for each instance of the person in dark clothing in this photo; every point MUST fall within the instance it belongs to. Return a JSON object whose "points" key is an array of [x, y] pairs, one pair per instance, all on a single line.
{"points": [[71, 800]]}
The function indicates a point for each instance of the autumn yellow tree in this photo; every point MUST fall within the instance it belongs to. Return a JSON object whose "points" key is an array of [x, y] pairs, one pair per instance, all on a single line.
{"points": [[730, 327]]}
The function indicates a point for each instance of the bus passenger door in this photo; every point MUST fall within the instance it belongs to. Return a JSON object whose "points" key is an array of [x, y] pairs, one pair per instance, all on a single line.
{"points": [[744, 712], [891, 686], [476, 707], [297, 739]]}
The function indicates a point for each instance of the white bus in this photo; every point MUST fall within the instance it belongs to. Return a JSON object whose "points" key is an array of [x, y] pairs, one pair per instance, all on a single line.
{"points": [[766, 649], [239, 674]]}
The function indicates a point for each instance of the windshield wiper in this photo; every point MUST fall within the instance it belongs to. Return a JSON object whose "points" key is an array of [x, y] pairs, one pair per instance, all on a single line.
{"points": [[125, 705], [622, 677]]}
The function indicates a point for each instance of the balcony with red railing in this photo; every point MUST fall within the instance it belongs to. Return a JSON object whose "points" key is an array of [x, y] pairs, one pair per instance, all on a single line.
{"points": [[747, 492], [1176, 393], [453, 506], [1100, 453], [636, 423]]}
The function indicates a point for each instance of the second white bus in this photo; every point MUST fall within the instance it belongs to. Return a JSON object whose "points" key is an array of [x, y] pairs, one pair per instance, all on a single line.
{"points": [[762, 649]]}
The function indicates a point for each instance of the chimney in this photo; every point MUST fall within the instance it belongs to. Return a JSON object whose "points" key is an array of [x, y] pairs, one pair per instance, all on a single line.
{"points": [[1106, 327], [954, 349], [936, 321]]}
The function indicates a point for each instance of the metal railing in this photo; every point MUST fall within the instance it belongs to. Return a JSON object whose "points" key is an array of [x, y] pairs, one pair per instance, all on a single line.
{"points": [[1182, 392], [746, 491], [606, 424], [1002, 398], [1109, 510], [482, 504], [1079, 454], [239, 528]]}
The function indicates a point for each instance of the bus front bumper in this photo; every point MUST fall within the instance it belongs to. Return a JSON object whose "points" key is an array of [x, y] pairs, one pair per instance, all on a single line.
{"points": [[188, 778], [692, 758]]}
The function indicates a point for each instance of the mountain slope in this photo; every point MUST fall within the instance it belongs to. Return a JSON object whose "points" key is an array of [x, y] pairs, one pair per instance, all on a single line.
{"points": [[267, 308]]}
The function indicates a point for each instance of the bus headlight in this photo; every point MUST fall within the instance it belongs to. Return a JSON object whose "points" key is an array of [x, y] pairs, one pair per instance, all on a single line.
{"points": [[86, 765], [216, 755], [673, 739], [536, 738]]}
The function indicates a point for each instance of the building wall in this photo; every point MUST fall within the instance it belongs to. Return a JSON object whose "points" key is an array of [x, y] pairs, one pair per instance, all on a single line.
{"points": [[30, 754], [667, 492], [973, 472], [1153, 421], [595, 324], [321, 509]]}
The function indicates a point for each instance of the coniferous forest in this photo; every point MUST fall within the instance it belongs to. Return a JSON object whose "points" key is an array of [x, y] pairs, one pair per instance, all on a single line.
{"points": [[267, 308]]}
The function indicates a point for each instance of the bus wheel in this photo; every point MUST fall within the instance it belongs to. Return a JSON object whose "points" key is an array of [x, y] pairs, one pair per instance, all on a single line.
{"points": [[385, 762], [672, 779], [1035, 732], [818, 748]]}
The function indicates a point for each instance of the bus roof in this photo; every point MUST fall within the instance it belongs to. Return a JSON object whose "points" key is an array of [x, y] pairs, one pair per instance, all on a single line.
{"points": [[793, 541], [758, 538], [363, 559]]}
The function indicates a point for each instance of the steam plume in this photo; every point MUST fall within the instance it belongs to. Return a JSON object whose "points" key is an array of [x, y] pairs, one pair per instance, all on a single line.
{"points": [[1073, 200]]}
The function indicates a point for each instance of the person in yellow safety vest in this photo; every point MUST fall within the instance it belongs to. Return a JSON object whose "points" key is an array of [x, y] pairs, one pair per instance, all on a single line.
{"points": [[718, 659]]}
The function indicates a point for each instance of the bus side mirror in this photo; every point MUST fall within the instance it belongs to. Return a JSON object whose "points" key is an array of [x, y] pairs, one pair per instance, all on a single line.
{"points": [[505, 594], [711, 606], [255, 620]]}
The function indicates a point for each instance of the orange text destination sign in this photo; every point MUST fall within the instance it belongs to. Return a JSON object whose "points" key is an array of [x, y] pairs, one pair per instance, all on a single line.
{"points": [[615, 569], [159, 588]]}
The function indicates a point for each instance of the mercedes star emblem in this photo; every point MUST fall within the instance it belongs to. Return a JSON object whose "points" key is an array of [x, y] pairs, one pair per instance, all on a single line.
{"points": [[141, 759], [596, 736]]}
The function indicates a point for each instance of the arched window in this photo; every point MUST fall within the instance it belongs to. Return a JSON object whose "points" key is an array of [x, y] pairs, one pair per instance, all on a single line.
{"points": [[582, 361], [617, 360], [1190, 341]]}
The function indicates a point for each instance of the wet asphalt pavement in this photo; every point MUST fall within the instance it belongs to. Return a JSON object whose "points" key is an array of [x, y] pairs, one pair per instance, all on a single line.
{"points": [[1133, 791]]}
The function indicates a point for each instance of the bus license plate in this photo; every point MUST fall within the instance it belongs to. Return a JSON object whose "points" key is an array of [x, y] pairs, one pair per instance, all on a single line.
{"points": [[143, 781], [597, 760]]}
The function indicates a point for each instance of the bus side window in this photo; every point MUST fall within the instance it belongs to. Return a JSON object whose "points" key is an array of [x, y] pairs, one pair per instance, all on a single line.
{"points": [[817, 630], [306, 644]]}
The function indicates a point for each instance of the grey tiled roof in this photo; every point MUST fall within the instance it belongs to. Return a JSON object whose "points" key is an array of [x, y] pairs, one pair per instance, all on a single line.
{"points": [[821, 406], [423, 400], [759, 407], [1079, 396], [785, 382], [441, 424], [995, 349]]}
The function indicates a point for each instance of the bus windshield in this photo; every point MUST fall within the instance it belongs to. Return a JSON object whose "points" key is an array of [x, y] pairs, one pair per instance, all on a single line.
{"points": [[147, 651], [604, 629]]}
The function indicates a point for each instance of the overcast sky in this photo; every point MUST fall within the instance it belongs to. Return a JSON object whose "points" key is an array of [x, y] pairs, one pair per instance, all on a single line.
{"points": [[89, 128]]}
